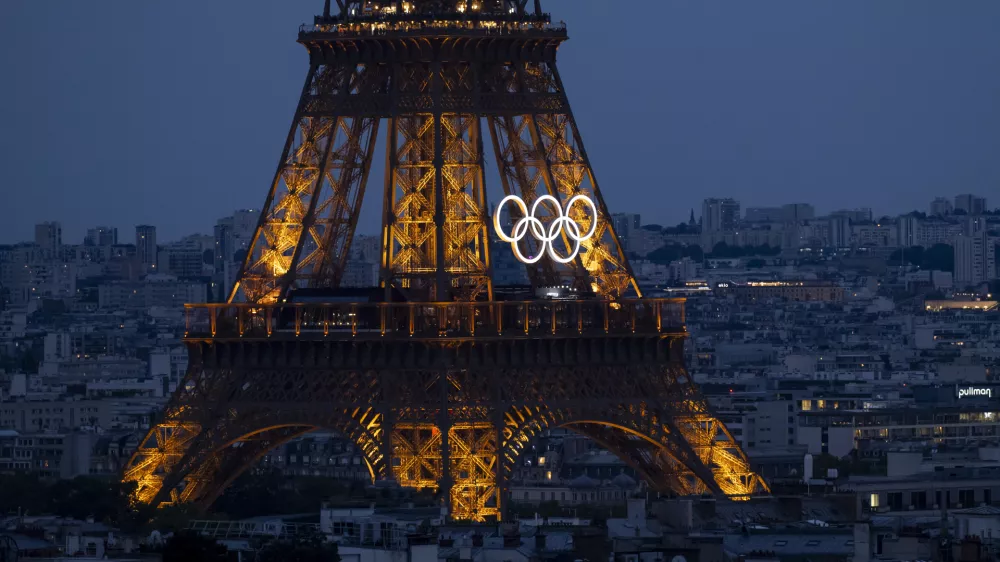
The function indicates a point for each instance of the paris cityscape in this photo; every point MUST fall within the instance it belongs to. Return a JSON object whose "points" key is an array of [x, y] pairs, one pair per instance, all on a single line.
{"points": [[431, 333]]}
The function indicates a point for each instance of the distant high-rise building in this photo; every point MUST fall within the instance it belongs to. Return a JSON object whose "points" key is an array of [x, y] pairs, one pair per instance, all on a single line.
{"points": [[971, 204], [764, 214], [794, 212], [975, 259], [367, 247], [48, 237], [624, 224], [840, 231], [232, 238], [145, 245], [359, 273], [941, 207], [101, 236], [974, 224], [507, 270], [719, 215], [909, 231], [861, 214]]}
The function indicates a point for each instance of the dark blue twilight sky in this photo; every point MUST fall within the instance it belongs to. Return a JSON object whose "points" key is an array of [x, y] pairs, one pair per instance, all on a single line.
{"points": [[173, 113]]}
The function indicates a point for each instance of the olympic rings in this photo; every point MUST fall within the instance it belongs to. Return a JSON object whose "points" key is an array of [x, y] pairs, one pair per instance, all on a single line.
{"points": [[562, 224]]}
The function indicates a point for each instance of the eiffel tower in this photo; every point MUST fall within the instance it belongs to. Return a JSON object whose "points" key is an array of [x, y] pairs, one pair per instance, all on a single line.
{"points": [[440, 378]]}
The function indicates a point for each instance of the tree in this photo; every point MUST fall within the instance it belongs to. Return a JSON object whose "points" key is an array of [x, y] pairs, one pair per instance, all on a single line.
{"points": [[53, 307], [549, 508], [84, 497], [305, 548], [189, 546], [694, 252], [174, 518], [723, 250], [30, 360], [665, 254], [682, 228], [913, 255], [940, 257], [253, 494], [768, 250], [825, 461], [240, 256]]}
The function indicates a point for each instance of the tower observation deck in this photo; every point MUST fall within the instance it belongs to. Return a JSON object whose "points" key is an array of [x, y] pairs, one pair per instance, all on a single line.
{"points": [[440, 378]]}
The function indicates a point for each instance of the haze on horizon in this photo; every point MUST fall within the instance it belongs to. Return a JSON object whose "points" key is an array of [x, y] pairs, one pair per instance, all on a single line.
{"points": [[174, 113]]}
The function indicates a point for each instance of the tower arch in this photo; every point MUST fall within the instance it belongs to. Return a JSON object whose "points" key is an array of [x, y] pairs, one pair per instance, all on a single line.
{"points": [[439, 379]]}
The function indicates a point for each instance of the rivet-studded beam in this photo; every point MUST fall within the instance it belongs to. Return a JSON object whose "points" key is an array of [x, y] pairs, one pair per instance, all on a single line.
{"points": [[437, 89], [444, 389], [452, 420]]}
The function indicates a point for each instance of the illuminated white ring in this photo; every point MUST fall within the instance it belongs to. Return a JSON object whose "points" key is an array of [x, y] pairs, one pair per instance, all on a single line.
{"points": [[562, 225]]}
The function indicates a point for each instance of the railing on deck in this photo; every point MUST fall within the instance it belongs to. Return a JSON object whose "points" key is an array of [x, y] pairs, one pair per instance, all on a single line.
{"points": [[435, 320], [407, 25]]}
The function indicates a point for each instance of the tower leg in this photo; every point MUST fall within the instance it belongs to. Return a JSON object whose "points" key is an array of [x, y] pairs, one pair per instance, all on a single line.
{"points": [[519, 175], [308, 220], [435, 226], [549, 139]]}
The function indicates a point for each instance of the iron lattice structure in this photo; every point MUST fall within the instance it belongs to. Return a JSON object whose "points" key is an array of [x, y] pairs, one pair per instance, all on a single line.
{"points": [[444, 390]]}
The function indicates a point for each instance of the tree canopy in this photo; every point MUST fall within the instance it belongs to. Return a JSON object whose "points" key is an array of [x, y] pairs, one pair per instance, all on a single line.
{"points": [[307, 548], [673, 252], [189, 546], [939, 257]]}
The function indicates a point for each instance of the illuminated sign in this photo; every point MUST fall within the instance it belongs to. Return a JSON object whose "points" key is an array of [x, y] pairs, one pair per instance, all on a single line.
{"points": [[561, 225], [973, 391]]}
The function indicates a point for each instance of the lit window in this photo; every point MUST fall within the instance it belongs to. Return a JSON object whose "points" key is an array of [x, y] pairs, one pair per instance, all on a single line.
{"points": [[873, 500], [541, 461], [548, 475]]}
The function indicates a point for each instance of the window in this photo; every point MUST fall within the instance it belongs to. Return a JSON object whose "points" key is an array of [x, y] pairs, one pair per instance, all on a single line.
{"points": [[967, 498], [780, 543], [873, 501], [812, 543], [895, 500]]}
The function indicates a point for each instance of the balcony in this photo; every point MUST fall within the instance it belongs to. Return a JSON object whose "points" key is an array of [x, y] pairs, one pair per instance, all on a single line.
{"points": [[408, 25], [458, 320]]}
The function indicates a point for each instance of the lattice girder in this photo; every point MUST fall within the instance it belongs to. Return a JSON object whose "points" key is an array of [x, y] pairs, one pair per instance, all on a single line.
{"points": [[458, 430], [435, 219], [449, 415], [308, 219]]}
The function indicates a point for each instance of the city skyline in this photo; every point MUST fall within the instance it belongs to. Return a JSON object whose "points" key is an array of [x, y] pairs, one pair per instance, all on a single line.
{"points": [[736, 113], [756, 317], [89, 230]]}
